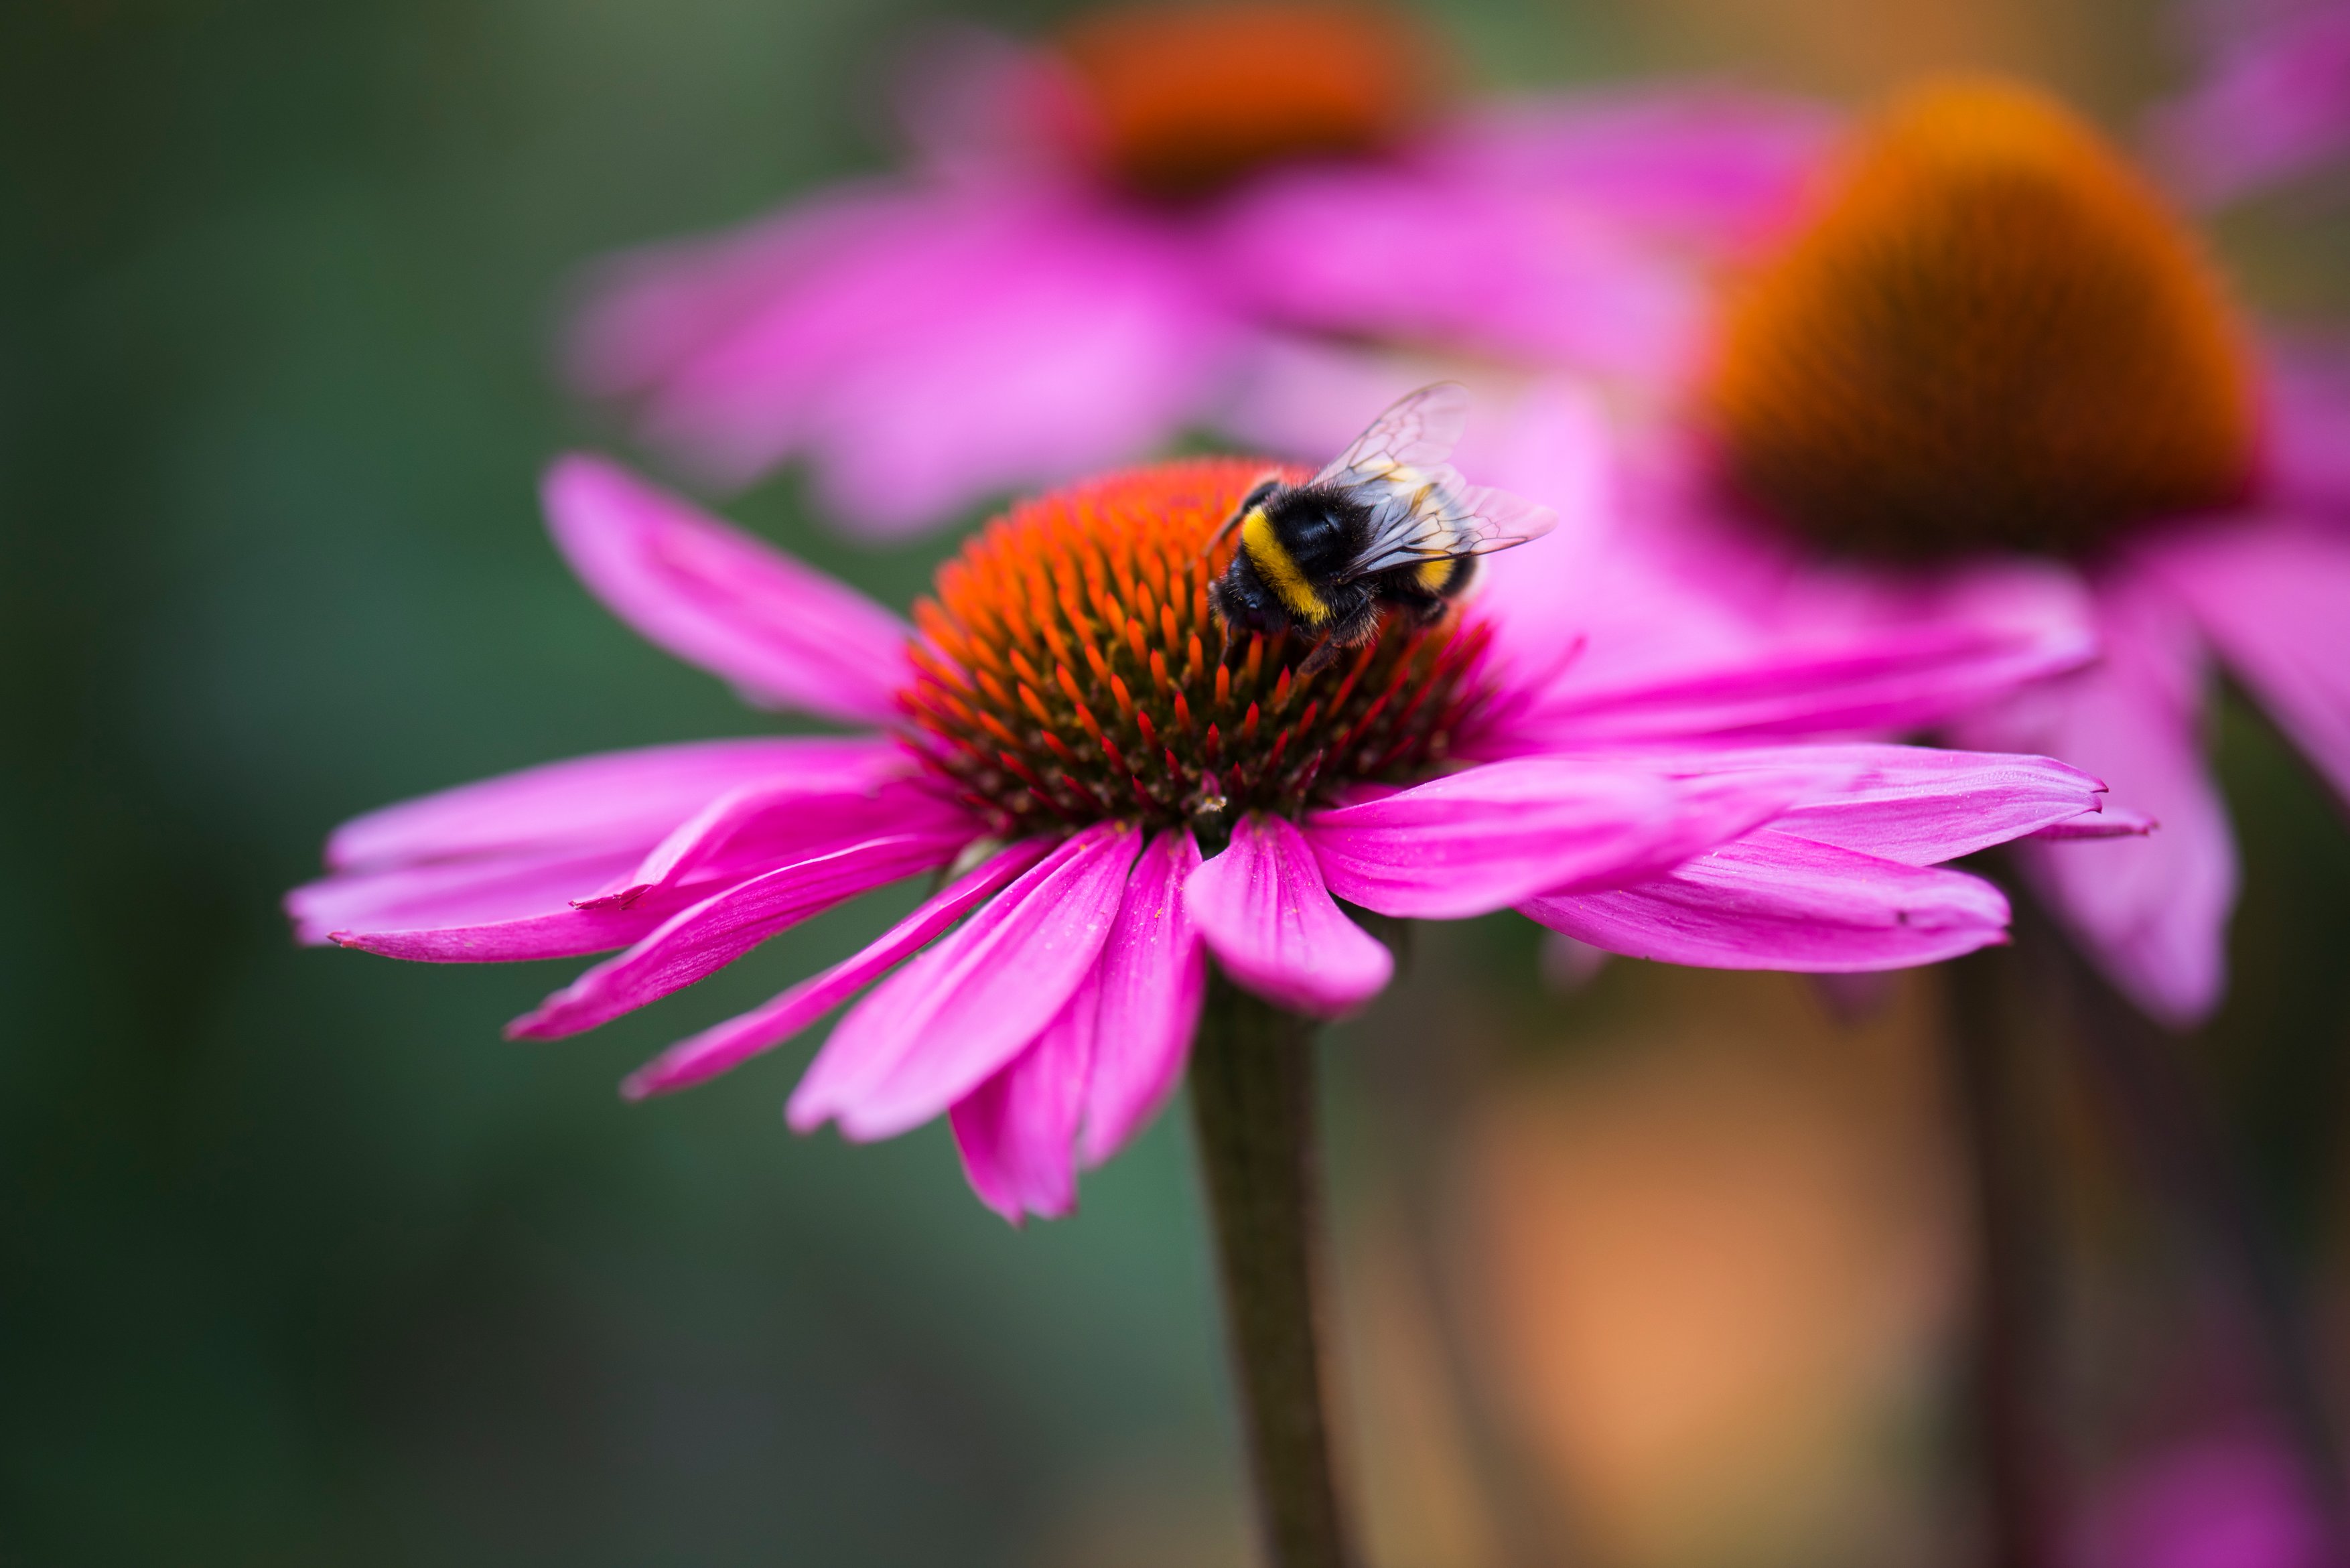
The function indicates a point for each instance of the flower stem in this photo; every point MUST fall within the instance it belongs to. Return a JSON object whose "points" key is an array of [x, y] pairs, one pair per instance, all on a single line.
{"points": [[2184, 1152], [2013, 1438], [1251, 1090]]}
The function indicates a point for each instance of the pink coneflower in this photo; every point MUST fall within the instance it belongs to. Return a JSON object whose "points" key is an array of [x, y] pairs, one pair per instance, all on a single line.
{"points": [[1975, 356], [1096, 231], [1110, 792]]}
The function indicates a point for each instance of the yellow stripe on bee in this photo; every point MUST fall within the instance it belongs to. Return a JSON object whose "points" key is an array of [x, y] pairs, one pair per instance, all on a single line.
{"points": [[1434, 574], [1279, 568]]}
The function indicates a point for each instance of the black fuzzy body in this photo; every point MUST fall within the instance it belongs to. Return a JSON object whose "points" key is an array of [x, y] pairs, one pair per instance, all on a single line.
{"points": [[1325, 529]]}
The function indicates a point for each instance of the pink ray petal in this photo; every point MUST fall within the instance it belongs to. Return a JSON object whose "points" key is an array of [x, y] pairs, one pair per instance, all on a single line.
{"points": [[1524, 273], [646, 313], [723, 1047], [933, 1032], [1922, 806], [785, 635], [616, 801], [1891, 681], [2274, 599], [2151, 911], [1775, 901], [1708, 160], [1153, 979], [721, 928], [486, 891], [760, 825], [2307, 463], [1265, 911], [1016, 1131], [1492, 837], [976, 341]]}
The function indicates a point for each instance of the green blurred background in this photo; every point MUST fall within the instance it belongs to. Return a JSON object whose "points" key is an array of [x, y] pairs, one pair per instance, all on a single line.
{"points": [[298, 1262]]}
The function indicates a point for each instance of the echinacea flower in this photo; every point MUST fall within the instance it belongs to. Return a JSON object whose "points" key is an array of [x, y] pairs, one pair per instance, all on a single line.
{"points": [[1096, 231], [1977, 355], [1111, 791]]}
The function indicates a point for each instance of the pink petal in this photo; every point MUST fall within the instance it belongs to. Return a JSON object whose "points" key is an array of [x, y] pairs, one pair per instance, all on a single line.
{"points": [[2275, 105], [646, 313], [1153, 979], [938, 1028], [2152, 910], [719, 929], [1522, 272], [435, 903], [1709, 160], [1921, 806], [1775, 901], [615, 801], [1890, 681], [1017, 1131], [968, 342], [1266, 913], [761, 825], [785, 635], [2274, 599], [2308, 455], [725, 1046], [1491, 836]]}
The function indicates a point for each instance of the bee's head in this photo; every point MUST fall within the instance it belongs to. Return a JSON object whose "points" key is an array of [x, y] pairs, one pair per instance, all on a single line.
{"points": [[1243, 602]]}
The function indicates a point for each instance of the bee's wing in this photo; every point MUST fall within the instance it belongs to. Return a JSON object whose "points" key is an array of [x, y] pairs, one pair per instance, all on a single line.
{"points": [[1444, 517], [1418, 430]]}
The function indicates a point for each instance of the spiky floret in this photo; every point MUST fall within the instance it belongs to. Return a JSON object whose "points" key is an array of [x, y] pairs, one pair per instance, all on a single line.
{"points": [[1186, 98], [1069, 669], [1991, 333]]}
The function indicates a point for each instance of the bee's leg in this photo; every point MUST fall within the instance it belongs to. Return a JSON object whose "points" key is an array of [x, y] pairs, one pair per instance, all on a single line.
{"points": [[1350, 630]]}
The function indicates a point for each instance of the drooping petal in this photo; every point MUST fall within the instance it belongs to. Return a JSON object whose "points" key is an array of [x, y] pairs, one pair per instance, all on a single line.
{"points": [[760, 825], [482, 894], [1922, 806], [2152, 910], [935, 344], [719, 929], [1775, 901], [935, 1030], [2274, 599], [786, 636], [725, 1046], [1152, 980], [2274, 104], [1265, 911], [618, 801], [1017, 1131], [1489, 837]]}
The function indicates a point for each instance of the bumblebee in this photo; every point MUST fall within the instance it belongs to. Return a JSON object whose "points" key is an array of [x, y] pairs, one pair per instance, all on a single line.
{"points": [[1390, 526]]}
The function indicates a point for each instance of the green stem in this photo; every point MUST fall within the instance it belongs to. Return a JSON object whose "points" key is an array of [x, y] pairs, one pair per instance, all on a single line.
{"points": [[1251, 1090], [2013, 1441]]}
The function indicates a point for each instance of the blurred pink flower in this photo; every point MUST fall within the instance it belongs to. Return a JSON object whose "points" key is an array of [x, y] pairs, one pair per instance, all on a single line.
{"points": [[1095, 232], [1059, 733], [2222, 528], [2225, 1501], [2272, 103]]}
